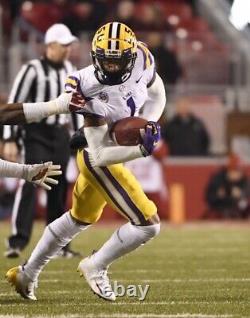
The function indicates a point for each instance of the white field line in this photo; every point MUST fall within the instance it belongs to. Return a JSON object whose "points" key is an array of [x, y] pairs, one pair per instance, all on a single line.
{"points": [[62, 272], [121, 315], [64, 292], [160, 280], [191, 280], [188, 250], [124, 315], [123, 303], [52, 272]]}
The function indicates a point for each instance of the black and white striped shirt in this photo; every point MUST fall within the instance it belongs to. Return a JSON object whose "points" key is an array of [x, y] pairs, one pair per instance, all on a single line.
{"points": [[39, 81]]}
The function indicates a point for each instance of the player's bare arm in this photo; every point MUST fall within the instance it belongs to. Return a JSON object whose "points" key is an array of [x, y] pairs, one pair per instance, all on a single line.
{"points": [[94, 121], [20, 113], [12, 114]]}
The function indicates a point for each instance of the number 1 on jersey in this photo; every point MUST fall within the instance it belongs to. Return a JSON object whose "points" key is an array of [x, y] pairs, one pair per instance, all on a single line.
{"points": [[131, 105]]}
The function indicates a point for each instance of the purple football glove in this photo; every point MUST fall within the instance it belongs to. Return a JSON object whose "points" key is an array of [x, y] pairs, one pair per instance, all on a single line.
{"points": [[151, 138]]}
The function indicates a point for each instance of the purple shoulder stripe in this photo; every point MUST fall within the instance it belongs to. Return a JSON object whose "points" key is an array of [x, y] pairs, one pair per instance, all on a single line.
{"points": [[144, 57], [151, 82], [74, 78], [151, 59]]}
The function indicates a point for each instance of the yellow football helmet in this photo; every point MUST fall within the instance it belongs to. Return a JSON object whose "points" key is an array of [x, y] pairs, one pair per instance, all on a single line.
{"points": [[114, 50]]}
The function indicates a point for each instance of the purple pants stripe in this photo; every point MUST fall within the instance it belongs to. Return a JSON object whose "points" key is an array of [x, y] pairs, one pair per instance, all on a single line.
{"points": [[94, 173], [123, 193]]}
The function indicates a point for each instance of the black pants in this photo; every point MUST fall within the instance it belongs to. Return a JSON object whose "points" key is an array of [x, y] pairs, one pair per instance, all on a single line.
{"points": [[36, 151]]}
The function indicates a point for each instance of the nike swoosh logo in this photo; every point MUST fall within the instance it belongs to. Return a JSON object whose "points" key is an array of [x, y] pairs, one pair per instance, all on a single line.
{"points": [[137, 81]]}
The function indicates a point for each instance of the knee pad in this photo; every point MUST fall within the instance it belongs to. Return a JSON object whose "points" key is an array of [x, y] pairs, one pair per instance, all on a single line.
{"points": [[149, 231], [138, 234]]}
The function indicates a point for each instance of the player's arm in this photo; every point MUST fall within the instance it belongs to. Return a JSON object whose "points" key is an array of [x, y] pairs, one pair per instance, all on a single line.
{"points": [[155, 104], [12, 114], [20, 113], [39, 174], [97, 134]]}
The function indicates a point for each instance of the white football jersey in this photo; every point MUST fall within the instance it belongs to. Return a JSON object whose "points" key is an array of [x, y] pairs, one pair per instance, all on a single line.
{"points": [[117, 101]]}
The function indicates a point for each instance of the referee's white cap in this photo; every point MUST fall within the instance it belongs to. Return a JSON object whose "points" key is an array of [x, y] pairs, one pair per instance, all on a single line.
{"points": [[59, 33]]}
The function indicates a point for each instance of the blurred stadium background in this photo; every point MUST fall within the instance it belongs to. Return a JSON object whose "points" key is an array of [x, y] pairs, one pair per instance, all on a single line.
{"points": [[208, 44], [209, 50]]}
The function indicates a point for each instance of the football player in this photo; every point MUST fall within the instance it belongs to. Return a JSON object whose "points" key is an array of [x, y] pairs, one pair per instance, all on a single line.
{"points": [[20, 113], [121, 82]]}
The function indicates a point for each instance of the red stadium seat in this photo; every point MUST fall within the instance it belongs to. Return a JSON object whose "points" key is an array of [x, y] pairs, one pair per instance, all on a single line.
{"points": [[182, 10], [40, 15], [194, 25]]}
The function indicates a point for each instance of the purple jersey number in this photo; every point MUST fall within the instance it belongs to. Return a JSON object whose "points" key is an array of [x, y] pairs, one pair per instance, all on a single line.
{"points": [[131, 105]]}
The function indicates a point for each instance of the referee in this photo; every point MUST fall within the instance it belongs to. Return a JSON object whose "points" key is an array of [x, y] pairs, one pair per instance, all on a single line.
{"points": [[40, 80]]}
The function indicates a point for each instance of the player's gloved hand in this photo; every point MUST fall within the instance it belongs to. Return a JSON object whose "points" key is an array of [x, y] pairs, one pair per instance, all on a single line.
{"points": [[77, 102], [151, 138], [42, 174], [70, 102]]}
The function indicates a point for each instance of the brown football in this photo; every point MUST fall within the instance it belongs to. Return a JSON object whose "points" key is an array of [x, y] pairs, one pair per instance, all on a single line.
{"points": [[128, 131]]}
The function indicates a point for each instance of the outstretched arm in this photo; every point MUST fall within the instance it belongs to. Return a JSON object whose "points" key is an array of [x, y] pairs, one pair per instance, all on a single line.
{"points": [[12, 114], [39, 174], [20, 113]]}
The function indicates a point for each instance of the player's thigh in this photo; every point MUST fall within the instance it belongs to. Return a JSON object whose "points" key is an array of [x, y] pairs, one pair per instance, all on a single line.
{"points": [[87, 202], [134, 199], [121, 190]]}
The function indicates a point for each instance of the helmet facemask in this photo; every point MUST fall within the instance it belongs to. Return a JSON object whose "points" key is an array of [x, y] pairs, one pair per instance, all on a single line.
{"points": [[113, 67]]}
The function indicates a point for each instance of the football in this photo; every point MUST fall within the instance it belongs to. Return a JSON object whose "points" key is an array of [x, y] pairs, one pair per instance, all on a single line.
{"points": [[128, 131]]}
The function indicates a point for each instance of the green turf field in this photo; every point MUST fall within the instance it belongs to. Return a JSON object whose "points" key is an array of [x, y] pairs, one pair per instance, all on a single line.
{"points": [[200, 270]]}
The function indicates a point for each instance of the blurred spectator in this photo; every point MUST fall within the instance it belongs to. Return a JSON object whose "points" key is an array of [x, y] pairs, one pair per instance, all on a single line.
{"points": [[228, 192], [40, 15], [168, 66], [62, 5], [125, 13], [14, 8], [185, 134], [85, 16], [151, 17]]}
